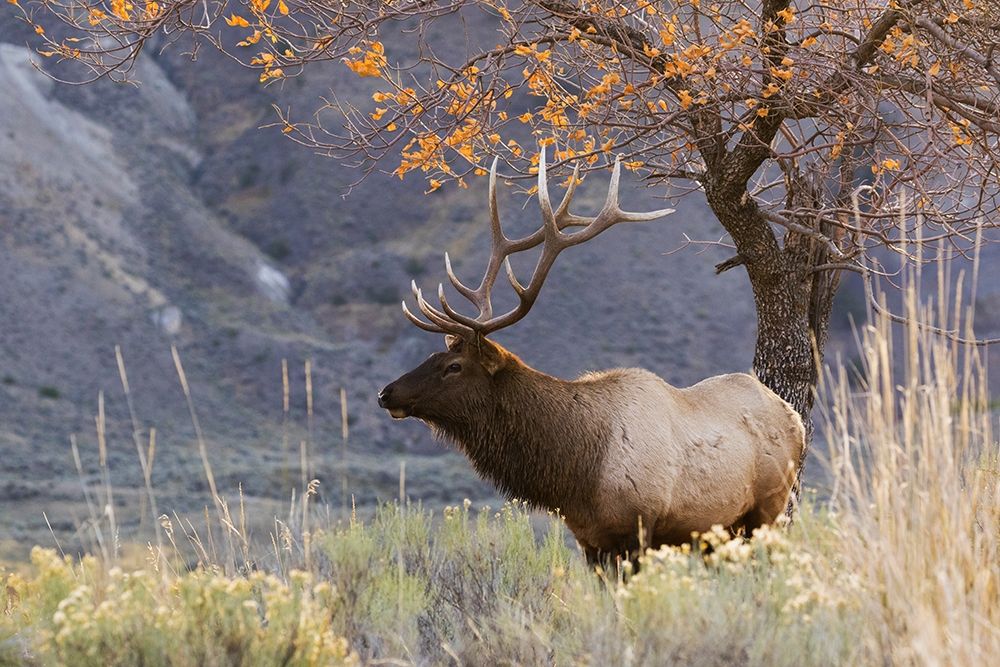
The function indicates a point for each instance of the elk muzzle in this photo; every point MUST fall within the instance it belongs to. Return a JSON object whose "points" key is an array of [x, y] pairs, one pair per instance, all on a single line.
{"points": [[389, 402]]}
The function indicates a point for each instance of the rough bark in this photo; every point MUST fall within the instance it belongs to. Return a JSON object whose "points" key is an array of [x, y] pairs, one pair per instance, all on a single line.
{"points": [[792, 300]]}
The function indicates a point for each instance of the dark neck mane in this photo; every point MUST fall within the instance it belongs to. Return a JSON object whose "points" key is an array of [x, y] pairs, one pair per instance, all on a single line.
{"points": [[543, 441]]}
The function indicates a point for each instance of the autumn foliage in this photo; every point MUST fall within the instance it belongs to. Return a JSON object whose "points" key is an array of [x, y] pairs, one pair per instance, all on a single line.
{"points": [[905, 90]]}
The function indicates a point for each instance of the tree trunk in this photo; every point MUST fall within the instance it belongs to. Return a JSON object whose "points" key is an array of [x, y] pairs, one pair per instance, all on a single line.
{"points": [[792, 301], [785, 357]]}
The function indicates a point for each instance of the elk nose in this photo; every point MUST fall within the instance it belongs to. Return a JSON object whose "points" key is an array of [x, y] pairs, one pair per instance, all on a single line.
{"points": [[384, 395]]}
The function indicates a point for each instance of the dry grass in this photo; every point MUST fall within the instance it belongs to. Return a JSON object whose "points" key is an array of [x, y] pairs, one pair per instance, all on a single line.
{"points": [[916, 469]]}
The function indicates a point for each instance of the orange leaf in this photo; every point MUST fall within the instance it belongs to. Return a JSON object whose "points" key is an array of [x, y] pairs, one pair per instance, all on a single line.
{"points": [[252, 39]]}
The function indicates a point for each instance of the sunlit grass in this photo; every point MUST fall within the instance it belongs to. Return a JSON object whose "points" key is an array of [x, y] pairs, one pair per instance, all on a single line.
{"points": [[475, 586]]}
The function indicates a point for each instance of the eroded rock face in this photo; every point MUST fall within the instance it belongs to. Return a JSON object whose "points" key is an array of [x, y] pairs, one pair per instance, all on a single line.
{"points": [[272, 283], [50, 147], [104, 243], [169, 319]]}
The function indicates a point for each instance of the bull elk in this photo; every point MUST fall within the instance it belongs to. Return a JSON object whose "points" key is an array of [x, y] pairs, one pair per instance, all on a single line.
{"points": [[612, 451]]}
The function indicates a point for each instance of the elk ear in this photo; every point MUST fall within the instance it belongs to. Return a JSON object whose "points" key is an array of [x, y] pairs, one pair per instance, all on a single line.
{"points": [[454, 343], [490, 355]]}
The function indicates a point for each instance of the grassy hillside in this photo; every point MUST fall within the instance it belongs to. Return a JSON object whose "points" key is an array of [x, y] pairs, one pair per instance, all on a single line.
{"points": [[898, 566]]}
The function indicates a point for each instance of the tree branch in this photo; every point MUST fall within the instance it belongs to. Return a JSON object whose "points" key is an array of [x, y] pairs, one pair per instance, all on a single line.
{"points": [[939, 33]]}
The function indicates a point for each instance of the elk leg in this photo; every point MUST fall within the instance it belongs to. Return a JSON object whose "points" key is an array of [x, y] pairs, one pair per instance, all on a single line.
{"points": [[750, 521], [592, 553], [610, 560]]}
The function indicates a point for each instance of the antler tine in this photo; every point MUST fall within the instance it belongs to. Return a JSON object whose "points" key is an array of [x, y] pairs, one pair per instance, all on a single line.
{"points": [[548, 217], [526, 294], [501, 246], [611, 213], [518, 287], [495, 229], [430, 312], [636, 216], [433, 314], [469, 322], [611, 203], [611, 207], [419, 322], [462, 288], [568, 197]]}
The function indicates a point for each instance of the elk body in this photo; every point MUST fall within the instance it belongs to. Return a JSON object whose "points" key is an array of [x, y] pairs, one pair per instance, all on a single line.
{"points": [[625, 457]]}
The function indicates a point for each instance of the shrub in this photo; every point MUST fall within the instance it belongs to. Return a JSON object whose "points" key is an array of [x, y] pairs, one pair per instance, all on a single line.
{"points": [[49, 392]]}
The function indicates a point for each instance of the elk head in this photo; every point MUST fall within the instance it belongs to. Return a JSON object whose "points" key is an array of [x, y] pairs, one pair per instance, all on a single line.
{"points": [[446, 383], [451, 383]]}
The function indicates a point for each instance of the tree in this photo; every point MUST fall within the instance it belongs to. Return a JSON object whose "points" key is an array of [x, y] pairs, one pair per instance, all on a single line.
{"points": [[823, 134]]}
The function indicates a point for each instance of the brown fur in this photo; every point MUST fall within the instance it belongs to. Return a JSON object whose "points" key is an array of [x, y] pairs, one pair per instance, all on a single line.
{"points": [[614, 449]]}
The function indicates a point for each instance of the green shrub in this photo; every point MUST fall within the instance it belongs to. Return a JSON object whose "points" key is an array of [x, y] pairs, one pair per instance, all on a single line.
{"points": [[473, 587], [49, 392], [80, 614]]}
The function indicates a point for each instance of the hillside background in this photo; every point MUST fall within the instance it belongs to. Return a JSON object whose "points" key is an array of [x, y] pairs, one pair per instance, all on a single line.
{"points": [[163, 215]]}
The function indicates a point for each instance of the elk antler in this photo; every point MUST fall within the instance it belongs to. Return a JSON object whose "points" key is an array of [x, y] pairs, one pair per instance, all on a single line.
{"points": [[553, 240]]}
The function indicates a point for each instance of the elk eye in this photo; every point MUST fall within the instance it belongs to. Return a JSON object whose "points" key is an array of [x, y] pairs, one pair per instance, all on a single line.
{"points": [[453, 368]]}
